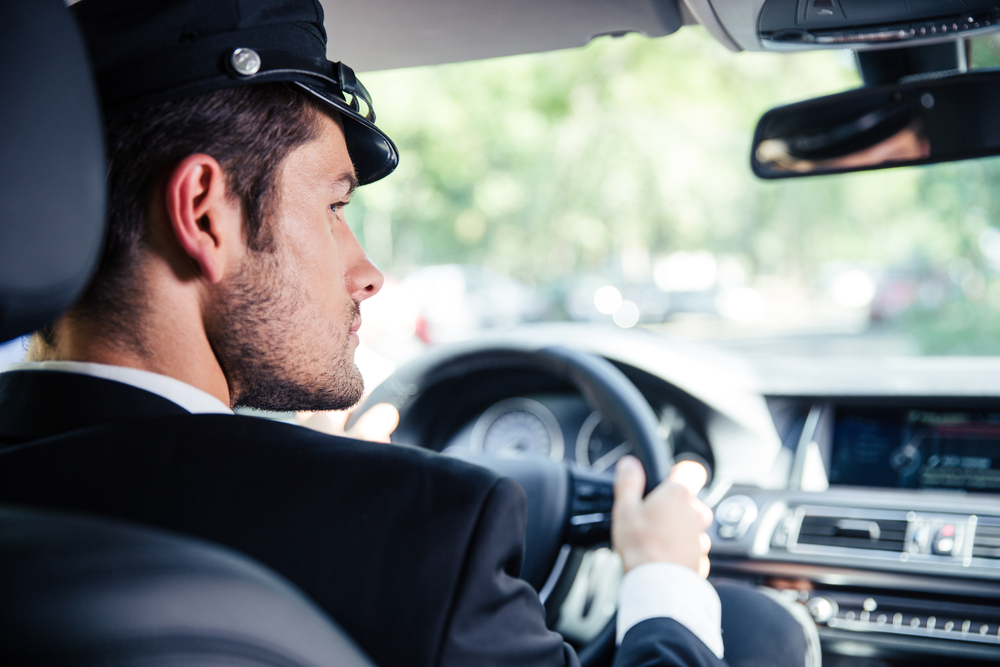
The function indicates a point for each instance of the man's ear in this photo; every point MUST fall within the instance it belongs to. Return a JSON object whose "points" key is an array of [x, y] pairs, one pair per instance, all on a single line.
{"points": [[204, 221]]}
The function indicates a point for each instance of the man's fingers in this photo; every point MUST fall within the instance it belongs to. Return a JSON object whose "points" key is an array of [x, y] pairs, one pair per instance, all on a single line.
{"points": [[689, 474], [377, 424], [327, 422], [706, 513], [704, 565], [630, 480], [705, 542]]}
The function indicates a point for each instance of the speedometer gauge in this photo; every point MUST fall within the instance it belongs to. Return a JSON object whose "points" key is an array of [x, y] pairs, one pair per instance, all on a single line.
{"points": [[518, 426], [599, 444]]}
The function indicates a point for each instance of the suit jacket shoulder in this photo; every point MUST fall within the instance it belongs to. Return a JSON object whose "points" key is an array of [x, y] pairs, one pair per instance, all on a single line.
{"points": [[376, 534], [37, 404]]}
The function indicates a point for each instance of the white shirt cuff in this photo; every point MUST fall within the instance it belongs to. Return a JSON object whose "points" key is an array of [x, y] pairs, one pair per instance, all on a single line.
{"points": [[668, 590]]}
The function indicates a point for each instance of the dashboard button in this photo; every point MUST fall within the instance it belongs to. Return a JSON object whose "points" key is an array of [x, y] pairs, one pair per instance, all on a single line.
{"points": [[734, 512], [592, 498], [947, 540], [822, 610], [735, 515]]}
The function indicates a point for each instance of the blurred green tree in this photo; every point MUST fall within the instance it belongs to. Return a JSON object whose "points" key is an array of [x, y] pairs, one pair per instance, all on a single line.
{"points": [[548, 165]]}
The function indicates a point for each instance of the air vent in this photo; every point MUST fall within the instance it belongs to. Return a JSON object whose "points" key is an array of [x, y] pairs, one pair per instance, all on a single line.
{"points": [[852, 532], [986, 544]]}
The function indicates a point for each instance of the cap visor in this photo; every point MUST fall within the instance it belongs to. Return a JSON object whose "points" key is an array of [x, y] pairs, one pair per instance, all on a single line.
{"points": [[371, 150]]}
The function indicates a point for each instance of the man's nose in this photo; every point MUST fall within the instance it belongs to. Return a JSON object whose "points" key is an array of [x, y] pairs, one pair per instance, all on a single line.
{"points": [[369, 282], [362, 277]]}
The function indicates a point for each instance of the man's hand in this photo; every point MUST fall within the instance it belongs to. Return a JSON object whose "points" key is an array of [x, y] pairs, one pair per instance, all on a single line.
{"points": [[377, 424], [668, 525]]}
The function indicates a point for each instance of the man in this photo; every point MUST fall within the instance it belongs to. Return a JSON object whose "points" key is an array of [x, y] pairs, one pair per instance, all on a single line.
{"points": [[230, 278]]}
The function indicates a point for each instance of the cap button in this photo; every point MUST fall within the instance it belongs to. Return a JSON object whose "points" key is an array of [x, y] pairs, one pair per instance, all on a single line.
{"points": [[245, 61]]}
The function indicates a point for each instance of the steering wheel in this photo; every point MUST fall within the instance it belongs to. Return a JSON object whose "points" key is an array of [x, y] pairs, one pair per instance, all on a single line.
{"points": [[567, 507]]}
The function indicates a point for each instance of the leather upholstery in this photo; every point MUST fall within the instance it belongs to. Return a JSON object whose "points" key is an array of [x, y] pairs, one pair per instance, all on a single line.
{"points": [[52, 166], [84, 591]]}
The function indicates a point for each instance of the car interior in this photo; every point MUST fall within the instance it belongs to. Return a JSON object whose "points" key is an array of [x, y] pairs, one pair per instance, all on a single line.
{"points": [[865, 496]]}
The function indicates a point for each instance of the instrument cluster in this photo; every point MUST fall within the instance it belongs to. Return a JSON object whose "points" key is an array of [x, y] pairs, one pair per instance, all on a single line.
{"points": [[565, 428]]}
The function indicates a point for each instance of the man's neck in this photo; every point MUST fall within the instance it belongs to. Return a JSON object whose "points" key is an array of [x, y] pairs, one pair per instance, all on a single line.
{"points": [[165, 347]]}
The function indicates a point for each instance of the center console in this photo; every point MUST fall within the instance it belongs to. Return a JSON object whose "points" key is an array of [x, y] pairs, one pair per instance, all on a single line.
{"points": [[889, 530]]}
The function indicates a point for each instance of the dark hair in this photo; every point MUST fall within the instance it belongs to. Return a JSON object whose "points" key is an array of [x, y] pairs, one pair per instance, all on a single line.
{"points": [[249, 130]]}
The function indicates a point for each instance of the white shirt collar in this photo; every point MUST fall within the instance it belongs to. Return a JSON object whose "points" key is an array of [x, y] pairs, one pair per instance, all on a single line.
{"points": [[190, 398]]}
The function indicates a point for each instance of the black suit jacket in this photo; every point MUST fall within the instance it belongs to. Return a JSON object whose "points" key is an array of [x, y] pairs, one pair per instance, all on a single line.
{"points": [[415, 554]]}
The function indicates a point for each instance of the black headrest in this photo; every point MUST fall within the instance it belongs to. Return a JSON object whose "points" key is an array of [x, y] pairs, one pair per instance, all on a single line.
{"points": [[85, 591], [51, 165]]}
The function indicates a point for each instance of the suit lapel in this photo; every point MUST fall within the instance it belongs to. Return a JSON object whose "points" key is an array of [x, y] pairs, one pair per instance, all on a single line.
{"points": [[39, 404]]}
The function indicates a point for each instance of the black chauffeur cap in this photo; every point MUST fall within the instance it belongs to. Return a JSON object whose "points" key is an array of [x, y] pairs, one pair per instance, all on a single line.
{"points": [[146, 52]]}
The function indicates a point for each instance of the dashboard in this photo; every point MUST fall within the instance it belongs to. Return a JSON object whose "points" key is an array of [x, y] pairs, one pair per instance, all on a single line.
{"points": [[869, 495]]}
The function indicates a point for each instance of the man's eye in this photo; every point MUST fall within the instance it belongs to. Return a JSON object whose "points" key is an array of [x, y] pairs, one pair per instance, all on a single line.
{"points": [[338, 207]]}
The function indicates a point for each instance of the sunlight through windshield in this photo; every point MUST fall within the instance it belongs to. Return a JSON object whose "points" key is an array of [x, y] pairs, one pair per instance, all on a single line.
{"points": [[611, 184]]}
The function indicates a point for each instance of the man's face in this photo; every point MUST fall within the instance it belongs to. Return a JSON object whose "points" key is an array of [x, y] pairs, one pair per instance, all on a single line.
{"points": [[285, 328]]}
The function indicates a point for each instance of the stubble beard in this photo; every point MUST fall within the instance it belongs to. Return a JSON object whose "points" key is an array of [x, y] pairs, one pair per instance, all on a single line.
{"points": [[258, 342]]}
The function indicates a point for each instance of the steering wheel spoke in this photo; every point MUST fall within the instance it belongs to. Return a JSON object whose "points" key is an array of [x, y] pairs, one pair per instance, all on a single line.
{"points": [[591, 499]]}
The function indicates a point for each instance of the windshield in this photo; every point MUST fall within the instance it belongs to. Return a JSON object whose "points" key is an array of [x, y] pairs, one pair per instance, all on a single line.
{"points": [[612, 184]]}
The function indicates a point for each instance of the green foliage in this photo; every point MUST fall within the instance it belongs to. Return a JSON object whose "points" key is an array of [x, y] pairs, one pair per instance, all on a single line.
{"points": [[542, 165], [548, 165]]}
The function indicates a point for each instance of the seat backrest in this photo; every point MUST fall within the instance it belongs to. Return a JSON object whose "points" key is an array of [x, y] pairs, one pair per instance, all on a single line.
{"points": [[84, 591]]}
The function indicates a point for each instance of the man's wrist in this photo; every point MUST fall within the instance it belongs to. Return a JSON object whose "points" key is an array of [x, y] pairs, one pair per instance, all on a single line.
{"points": [[669, 590], [638, 558]]}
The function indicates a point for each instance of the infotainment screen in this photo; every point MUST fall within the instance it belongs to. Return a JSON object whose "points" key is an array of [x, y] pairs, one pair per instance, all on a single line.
{"points": [[916, 449]]}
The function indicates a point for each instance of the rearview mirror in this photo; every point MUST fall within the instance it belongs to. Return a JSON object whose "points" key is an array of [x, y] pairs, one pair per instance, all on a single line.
{"points": [[921, 120]]}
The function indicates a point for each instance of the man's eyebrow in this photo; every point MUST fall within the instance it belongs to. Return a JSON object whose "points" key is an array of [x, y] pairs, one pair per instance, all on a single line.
{"points": [[351, 179]]}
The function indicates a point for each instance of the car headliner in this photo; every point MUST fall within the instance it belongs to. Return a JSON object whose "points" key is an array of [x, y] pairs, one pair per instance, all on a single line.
{"points": [[388, 34]]}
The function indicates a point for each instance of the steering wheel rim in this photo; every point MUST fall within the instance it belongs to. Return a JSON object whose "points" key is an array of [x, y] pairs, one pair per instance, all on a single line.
{"points": [[610, 392], [603, 386]]}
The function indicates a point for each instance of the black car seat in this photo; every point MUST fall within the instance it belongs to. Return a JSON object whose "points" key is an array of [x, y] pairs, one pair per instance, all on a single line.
{"points": [[86, 590]]}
